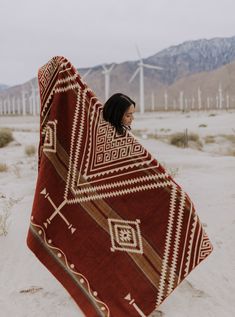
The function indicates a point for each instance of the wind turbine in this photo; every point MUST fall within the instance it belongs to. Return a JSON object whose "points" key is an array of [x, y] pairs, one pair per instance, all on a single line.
{"points": [[220, 97], [140, 70], [87, 72], [1, 106], [33, 98], [23, 100], [106, 71], [199, 98]]}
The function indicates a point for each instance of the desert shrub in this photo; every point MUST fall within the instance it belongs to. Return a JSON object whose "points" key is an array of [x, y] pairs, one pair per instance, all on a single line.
{"points": [[229, 137], [178, 139], [231, 152], [3, 167], [182, 139], [5, 136], [4, 225], [193, 137], [212, 115], [202, 125], [30, 150], [209, 139]]}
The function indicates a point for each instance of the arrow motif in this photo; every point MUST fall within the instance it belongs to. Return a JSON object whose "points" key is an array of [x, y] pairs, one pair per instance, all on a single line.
{"points": [[132, 302], [56, 212]]}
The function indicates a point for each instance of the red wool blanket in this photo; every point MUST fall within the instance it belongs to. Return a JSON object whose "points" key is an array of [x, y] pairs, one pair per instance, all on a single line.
{"points": [[107, 220]]}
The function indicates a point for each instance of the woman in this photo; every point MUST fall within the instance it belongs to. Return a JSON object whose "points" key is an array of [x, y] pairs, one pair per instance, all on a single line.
{"points": [[119, 110]]}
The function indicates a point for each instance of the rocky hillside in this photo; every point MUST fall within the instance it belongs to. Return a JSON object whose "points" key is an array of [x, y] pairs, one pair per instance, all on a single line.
{"points": [[216, 89], [193, 57], [179, 62]]}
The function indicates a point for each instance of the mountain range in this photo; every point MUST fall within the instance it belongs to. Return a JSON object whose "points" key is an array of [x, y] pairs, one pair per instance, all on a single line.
{"points": [[201, 64], [206, 65], [3, 87]]}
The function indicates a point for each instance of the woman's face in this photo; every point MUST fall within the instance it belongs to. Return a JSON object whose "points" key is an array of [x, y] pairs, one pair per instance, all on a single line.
{"points": [[128, 116]]}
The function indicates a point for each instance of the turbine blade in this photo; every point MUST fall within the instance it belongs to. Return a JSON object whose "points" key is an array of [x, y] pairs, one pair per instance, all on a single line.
{"points": [[153, 66], [104, 67], [133, 76], [87, 73], [138, 52], [111, 67]]}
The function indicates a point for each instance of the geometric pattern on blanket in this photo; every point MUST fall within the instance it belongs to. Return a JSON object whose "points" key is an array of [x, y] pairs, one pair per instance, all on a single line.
{"points": [[108, 221]]}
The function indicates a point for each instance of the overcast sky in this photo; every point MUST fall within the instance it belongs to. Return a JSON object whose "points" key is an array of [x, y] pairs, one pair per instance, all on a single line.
{"points": [[89, 32]]}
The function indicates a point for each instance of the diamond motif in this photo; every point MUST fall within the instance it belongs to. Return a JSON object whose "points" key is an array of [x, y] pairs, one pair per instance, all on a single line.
{"points": [[125, 235]]}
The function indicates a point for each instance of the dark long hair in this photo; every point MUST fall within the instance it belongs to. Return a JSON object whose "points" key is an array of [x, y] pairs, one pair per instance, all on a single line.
{"points": [[114, 109]]}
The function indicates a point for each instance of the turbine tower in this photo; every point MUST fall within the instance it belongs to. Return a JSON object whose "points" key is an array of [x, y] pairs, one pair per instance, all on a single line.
{"points": [[23, 100], [33, 98], [140, 70], [106, 73]]}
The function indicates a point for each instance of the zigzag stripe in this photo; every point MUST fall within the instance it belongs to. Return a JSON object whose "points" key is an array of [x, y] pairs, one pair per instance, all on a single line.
{"points": [[122, 183], [67, 79], [167, 245], [177, 243], [66, 88], [47, 102], [195, 220], [123, 168], [72, 141], [80, 132], [185, 241], [120, 192], [196, 248]]}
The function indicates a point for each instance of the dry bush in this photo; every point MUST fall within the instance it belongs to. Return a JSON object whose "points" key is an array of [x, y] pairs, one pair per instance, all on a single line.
{"points": [[165, 130], [231, 152], [4, 224], [202, 125], [30, 150], [183, 140], [5, 213], [3, 167], [5, 136], [212, 115], [209, 139], [229, 137], [152, 136], [178, 139], [193, 137]]}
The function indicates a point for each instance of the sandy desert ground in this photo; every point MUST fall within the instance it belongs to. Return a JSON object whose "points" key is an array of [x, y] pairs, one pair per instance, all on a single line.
{"points": [[27, 289]]}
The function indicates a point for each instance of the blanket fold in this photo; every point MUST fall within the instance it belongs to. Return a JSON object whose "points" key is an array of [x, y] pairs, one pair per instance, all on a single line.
{"points": [[107, 220]]}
